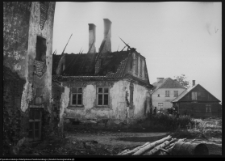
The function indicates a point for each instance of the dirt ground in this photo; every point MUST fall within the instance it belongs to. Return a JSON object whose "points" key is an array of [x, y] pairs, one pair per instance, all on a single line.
{"points": [[88, 141]]}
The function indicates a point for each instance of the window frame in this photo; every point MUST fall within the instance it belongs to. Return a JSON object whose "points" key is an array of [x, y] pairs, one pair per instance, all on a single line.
{"points": [[194, 95], [175, 95], [208, 108], [33, 121], [76, 93], [103, 98], [167, 93], [160, 104]]}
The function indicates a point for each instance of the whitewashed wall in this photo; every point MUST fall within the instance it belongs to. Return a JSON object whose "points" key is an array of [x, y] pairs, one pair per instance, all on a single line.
{"points": [[118, 106], [163, 99]]}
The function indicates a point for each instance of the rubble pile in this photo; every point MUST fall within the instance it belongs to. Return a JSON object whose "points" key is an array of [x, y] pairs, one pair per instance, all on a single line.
{"points": [[168, 146]]}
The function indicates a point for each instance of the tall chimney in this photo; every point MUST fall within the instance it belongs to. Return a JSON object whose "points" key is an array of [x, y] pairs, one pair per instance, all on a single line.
{"points": [[106, 44], [91, 38], [193, 82]]}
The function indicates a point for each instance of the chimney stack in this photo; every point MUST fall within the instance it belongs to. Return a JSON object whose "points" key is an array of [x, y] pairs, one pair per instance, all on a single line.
{"points": [[193, 82], [106, 44], [92, 38], [159, 79]]}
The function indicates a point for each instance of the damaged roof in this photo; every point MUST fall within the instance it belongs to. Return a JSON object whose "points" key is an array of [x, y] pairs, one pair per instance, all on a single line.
{"points": [[112, 64]]}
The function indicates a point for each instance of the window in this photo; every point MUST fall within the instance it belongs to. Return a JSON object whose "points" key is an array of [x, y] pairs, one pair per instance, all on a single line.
{"points": [[41, 49], [160, 105], [131, 94], [208, 109], [167, 93], [140, 67], [136, 64], [35, 115], [175, 93], [103, 96], [77, 96], [194, 95], [158, 95]]}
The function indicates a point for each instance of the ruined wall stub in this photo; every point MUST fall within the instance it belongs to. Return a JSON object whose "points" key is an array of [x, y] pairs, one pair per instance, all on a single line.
{"points": [[24, 25], [27, 48]]}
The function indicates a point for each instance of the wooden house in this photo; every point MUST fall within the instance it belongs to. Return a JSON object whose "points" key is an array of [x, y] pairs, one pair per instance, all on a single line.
{"points": [[197, 102]]}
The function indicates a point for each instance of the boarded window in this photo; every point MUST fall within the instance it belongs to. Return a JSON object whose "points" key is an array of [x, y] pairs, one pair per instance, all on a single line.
{"points": [[175, 93], [194, 95], [77, 96], [167, 93], [41, 49], [103, 96]]}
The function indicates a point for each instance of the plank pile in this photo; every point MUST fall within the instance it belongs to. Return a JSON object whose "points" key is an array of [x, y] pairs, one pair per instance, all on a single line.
{"points": [[163, 146]]}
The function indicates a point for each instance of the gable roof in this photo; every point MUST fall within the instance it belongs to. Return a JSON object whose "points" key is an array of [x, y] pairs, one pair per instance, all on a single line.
{"points": [[166, 83], [184, 93]]}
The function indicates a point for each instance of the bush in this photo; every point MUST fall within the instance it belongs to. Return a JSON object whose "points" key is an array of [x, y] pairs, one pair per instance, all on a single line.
{"points": [[161, 123]]}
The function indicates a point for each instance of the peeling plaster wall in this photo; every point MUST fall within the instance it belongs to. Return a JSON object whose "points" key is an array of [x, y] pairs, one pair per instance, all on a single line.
{"points": [[119, 101], [16, 17], [64, 102], [44, 82], [20, 29], [140, 103]]}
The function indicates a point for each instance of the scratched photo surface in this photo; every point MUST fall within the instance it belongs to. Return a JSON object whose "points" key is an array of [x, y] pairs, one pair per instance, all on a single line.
{"points": [[112, 78]]}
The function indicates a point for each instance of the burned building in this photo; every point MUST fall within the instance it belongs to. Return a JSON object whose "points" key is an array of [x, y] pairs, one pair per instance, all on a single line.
{"points": [[112, 85], [27, 72]]}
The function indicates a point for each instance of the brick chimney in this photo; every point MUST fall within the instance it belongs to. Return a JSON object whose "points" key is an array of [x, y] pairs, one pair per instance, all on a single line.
{"points": [[159, 79], [193, 82], [92, 38], [106, 44]]}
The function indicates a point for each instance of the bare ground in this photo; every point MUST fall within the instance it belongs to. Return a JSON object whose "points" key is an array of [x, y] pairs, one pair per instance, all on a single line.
{"points": [[88, 141]]}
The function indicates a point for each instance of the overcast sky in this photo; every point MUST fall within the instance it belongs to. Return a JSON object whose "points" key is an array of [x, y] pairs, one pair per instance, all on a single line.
{"points": [[175, 37]]}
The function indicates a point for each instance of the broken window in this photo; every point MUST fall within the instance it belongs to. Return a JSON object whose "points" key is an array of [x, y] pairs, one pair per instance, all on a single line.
{"points": [[167, 93], [103, 96], [41, 49], [35, 115], [77, 96], [175, 93], [194, 95]]}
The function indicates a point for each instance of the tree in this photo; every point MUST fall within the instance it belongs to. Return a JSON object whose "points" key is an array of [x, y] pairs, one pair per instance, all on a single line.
{"points": [[182, 80]]}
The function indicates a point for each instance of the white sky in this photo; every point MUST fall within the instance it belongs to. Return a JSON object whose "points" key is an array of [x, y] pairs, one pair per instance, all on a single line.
{"points": [[175, 37]]}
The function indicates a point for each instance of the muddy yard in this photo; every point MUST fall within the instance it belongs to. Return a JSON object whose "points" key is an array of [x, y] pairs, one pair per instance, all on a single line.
{"points": [[84, 140]]}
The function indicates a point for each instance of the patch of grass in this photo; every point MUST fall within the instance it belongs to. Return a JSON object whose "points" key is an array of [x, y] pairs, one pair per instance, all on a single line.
{"points": [[161, 123]]}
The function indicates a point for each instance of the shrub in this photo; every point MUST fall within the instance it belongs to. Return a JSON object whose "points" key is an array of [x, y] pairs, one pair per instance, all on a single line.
{"points": [[161, 123]]}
